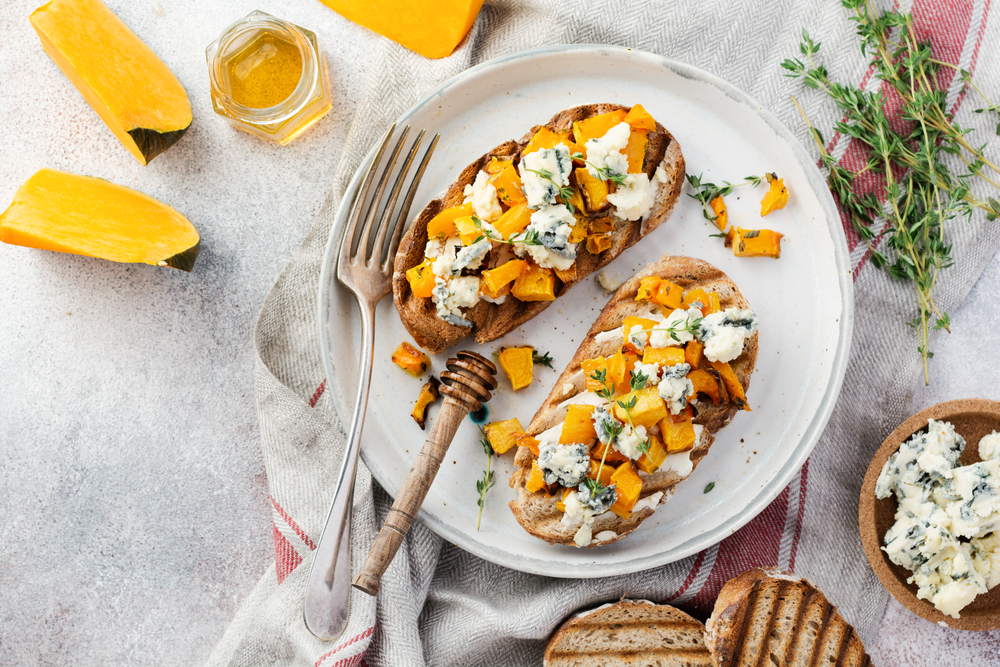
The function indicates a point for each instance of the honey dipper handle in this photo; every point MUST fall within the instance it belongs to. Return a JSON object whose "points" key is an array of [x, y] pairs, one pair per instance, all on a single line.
{"points": [[411, 496]]}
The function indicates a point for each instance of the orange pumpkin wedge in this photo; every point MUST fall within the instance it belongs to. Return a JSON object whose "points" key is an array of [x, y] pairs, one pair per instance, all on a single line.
{"points": [[82, 215]]}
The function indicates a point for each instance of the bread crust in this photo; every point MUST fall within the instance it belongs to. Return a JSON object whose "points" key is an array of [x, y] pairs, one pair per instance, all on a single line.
{"points": [[491, 321], [628, 633], [536, 512], [767, 612]]}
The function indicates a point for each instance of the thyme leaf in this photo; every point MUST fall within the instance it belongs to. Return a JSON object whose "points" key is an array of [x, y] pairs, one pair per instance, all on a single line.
{"points": [[486, 482], [541, 359]]}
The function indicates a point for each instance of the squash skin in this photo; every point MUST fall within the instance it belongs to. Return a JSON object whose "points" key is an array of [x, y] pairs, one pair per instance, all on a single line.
{"points": [[134, 93], [82, 215]]}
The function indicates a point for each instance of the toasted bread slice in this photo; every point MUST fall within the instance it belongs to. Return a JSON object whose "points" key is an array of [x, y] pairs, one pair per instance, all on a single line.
{"points": [[629, 633], [490, 321], [537, 512], [768, 617]]}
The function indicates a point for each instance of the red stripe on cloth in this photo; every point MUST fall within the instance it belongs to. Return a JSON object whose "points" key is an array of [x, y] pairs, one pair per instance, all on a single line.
{"points": [[286, 558], [975, 55], [364, 635], [316, 395], [691, 576], [754, 545], [291, 524], [803, 486]]}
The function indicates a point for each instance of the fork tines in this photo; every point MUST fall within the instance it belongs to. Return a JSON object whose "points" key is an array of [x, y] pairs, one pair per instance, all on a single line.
{"points": [[380, 223]]}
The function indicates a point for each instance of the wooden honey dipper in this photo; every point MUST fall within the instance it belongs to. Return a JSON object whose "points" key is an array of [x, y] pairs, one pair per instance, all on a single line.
{"points": [[466, 386]]}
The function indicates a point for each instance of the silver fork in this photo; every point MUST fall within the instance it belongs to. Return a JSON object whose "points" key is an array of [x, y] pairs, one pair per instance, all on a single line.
{"points": [[364, 267]]}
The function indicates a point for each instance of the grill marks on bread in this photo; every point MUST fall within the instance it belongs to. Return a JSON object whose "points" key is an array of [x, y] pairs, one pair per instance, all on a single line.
{"points": [[764, 618], [629, 632]]}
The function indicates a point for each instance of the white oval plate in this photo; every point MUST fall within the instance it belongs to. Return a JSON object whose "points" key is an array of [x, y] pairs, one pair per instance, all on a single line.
{"points": [[804, 301]]}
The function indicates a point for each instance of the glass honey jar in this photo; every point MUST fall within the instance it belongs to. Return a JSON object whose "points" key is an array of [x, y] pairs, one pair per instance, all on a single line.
{"points": [[268, 77]]}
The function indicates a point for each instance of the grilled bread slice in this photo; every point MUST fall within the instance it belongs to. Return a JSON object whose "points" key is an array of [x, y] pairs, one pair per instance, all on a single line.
{"points": [[629, 633], [489, 320], [537, 512], [768, 617]]}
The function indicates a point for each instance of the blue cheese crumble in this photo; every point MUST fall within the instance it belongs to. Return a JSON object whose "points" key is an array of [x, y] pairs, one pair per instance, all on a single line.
{"points": [[725, 333], [650, 371], [633, 198], [605, 423], [605, 154], [552, 225], [947, 516], [471, 257], [483, 196], [567, 465], [675, 387], [630, 440], [676, 328], [450, 296], [554, 162]]}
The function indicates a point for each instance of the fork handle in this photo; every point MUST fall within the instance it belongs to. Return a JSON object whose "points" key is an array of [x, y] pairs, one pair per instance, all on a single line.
{"points": [[411, 496]]}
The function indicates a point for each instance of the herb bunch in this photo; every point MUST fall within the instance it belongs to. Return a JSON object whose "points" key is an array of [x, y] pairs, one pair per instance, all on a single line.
{"points": [[906, 234]]}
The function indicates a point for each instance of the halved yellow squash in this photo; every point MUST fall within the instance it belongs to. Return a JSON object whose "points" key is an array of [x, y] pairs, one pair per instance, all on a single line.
{"points": [[88, 216], [133, 92]]}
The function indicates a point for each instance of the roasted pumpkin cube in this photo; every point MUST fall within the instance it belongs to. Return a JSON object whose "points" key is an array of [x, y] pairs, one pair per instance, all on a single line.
{"points": [[698, 298], [536, 479], [649, 408], [602, 225], [467, 229], [631, 359], [721, 214], [508, 186], [647, 288], [669, 295], [579, 232], [513, 221], [546, 138], [757, 243], [683, 415], [517, 364], [628, 486], [635, 150], [503, 435], [776, 197], [633, 321], [693, 353], [665, 356], [602, 473], [608, 454], [495, 166], [566, 275], [428, 394], [595, 127], [535, 284], [442, 225], [653, 458], [578, 426], [639, 119], [732, 382], [616, 367], [595, 190], [596, 244], [730, 237], [421, 279], [592, 367], [677, 436], [706, 382], [529, 441], [495, 280], [410, 359]]}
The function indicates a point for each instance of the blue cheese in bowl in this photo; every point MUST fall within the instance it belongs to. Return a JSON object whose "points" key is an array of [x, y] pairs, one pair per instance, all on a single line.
{"points": [[946, 518]]}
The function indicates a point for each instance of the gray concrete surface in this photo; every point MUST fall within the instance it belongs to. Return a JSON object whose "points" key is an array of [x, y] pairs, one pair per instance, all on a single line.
{"points": [[134, 506]]}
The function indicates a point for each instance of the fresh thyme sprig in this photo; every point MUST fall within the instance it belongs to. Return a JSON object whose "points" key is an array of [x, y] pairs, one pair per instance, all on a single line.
{"points": [[705, 192], [565, 191], [691, 325], [528, 237], [604, 172], [486, 482], [541, 359], [922, 192], [627, 407], [638, 381], [601, 377]]}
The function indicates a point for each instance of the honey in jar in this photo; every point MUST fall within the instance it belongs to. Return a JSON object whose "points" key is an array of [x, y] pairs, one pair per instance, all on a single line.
{"points": [[268, 77]]}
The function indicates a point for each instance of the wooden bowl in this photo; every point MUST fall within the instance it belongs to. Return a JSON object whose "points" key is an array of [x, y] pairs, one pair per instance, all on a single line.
{"points": [[972, 418]]}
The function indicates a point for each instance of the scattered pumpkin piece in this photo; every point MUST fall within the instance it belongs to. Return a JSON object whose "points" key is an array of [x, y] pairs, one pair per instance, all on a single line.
{"points": [[517, 364], [604, 476], [508, 186], [467, 229], [721, 214], [664, 356], [648, 410], [639, 119], [612, 456], [529, 441], [776, 197], [495, 166], [647, 288], [503, 435], [410, 359], [706, 382], [578, 425], [595, 127], [596, 244], [628, 486], [757, 243], [653, 458], [494, 280], [513, 221], [536, 479], [442, 225], [595, 190], [693, 353], [428, 394], [732, 384], [677, 436], [535, 284], [635, 150]]}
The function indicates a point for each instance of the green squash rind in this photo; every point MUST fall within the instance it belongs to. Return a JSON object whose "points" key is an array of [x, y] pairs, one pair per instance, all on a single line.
{"points": [[151, 142], [183, 260]]}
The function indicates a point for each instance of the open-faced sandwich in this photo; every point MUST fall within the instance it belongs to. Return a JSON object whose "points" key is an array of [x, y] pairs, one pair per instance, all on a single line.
{"points": [[530, 219], [666, 365]]}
